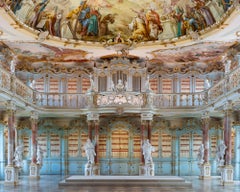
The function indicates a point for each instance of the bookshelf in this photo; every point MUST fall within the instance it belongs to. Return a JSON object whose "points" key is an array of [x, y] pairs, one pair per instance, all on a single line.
{"points": [[120, 144], [55, 145], [26, 146], [42, 142], [184, 145], [137, 146], [73, 149], [102, 146], [213, 148], [166, 145], [197, 141]]}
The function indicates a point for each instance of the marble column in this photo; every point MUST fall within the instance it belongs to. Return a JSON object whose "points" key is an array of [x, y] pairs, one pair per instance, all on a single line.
{"points": [[227, 170], [11, 172], [34, 172], [3, 125], [149, 130], [205, 167], [237, 150], [142, 140], [90, 125], [96, 138]]}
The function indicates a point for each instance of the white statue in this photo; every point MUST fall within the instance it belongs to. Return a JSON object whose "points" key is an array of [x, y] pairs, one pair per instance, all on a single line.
{"points": [[126, 85], [13, 64], [120, 87], [221, 148], [39, 155], [147, 84], [147, 151], [18, 156], [200, 155], [90, 151], [112, 86], [91, 83]]}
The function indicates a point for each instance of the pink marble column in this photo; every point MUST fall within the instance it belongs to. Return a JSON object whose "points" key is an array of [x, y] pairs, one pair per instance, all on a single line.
{"points": [[11, 131], [228, 135], [90, 130], [34, 127], [96, 127], [149, 129], [142, 138], [205, 130]]}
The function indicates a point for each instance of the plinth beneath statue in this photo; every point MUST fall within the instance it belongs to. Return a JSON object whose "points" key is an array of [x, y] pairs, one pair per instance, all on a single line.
{"points": [[34, 172], [227, 175], [205, 171], [146, 169], [11, 175], [91, 169]]}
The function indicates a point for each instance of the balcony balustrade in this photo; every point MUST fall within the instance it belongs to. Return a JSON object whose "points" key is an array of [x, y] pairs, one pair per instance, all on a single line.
{"points": [[12, 87]]}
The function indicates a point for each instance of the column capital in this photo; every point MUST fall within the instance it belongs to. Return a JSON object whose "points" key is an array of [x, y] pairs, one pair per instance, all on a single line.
{"points": [[205, 119], [10, 105], [146, 116], [228, 107], [93, 117], [34, 115]]}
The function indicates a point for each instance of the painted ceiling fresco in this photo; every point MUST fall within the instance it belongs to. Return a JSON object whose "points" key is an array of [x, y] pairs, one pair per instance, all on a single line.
{"points": [[119, 20]]}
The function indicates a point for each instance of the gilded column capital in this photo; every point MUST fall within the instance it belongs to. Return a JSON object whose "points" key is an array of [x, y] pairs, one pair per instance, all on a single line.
{"points": [[146, 116], [34, 116], [11, 106], [205, 119], [92, 117]]}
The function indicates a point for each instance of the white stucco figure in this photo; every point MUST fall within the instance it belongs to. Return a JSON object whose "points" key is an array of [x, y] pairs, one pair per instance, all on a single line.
{"points": [[200, 154], [120, 86], [18, 156], [90, 151], [147, 84], [39, 155], [147, 149], [91, 82], [221, 148], [13, 64]]}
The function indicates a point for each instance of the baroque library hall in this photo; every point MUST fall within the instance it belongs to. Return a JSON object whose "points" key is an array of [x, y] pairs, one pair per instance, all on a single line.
{"points": [[122, 95]]}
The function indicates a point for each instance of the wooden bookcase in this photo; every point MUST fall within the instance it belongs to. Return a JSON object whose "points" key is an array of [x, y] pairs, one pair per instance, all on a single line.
{"points": [[197, 141], [137, 146], [73, 144], [102, 146], [42, 142], [120, 144], [166, 145], [185, 145]]}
